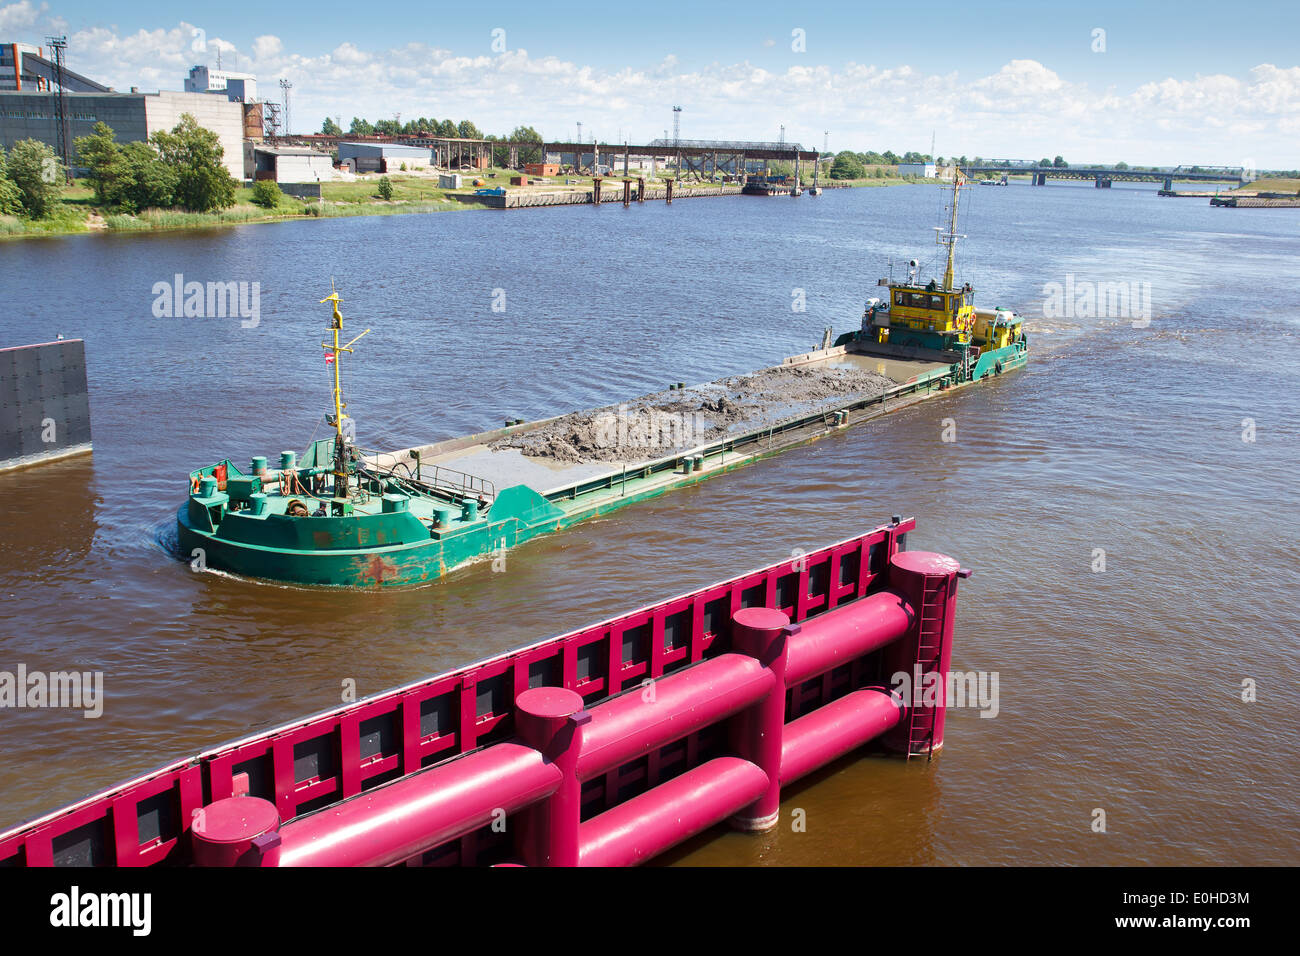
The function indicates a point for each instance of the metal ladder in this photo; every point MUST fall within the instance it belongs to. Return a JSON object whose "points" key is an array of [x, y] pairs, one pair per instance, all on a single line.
{"points": [[929, 653]]}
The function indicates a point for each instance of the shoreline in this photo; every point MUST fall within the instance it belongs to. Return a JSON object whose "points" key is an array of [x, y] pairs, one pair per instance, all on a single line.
{"points": [[95, 221]]}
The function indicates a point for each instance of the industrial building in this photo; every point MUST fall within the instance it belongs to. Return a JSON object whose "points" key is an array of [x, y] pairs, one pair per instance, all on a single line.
{"points": [[26, 67], [133, 116], [241, 87], [916, 169], [288, 164], [383, 157]]}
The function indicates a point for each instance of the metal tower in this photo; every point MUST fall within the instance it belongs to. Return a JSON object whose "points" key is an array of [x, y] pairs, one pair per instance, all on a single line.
{"points": [[285, 87], [63, 145], [271, 120]]}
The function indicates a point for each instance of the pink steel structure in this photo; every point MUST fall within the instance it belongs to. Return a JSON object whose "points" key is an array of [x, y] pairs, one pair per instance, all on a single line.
{"points": [[601, 747]]}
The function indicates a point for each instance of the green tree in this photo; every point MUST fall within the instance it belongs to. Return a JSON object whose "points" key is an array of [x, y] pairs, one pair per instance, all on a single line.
{"points": [[125, 177], [37, 173], [331, 128], [360, 127], [105, 166], [526, 134], [202, 181], [1060, 163], [266, 193], [11, 200], [467, 130], [1044, 163], [387, 127], [847, 166], [152, 182], [385, 188]]}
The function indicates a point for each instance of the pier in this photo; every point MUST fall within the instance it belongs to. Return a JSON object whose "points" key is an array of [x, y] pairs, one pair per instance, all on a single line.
{"points": [[606, 191]]}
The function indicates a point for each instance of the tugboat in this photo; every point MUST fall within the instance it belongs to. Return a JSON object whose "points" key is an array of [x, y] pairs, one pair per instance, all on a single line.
{"points": [[335, 517], [766, 186], [937, 321]]}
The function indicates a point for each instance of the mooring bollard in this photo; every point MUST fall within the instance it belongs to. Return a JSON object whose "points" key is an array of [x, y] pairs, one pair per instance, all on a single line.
{"points": [[549, 719], [928, 582], [762, 633], [236, 831]]}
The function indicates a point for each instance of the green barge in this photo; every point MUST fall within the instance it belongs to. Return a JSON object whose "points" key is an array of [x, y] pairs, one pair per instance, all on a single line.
{"points": [[336, 516]]}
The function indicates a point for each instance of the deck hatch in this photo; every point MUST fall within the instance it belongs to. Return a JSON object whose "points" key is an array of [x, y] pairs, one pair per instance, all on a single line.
{"points": [[544, 672], [86, 845], [156, 818], [379, 736], [314, 759], [490, 696], [436, 716], [677, 630]]}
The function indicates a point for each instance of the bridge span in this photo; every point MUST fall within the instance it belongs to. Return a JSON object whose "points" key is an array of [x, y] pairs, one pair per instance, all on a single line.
{"points": [[1102, 178]]}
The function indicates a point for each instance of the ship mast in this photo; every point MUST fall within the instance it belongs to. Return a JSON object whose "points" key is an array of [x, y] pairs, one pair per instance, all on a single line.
{"points": [[950, 237], [334, 357]]}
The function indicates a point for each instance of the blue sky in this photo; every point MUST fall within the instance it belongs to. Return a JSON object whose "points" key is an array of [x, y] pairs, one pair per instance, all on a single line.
{"points": [[995, 78]]}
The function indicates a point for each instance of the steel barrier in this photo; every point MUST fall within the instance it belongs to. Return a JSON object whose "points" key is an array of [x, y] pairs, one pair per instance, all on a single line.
{"points": [[603, 746]]}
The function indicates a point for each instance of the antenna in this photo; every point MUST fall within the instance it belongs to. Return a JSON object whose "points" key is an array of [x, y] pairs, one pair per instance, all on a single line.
{"points": [[59, 46], [333, 355], [677, 126], [950, 237], [218, 46]]}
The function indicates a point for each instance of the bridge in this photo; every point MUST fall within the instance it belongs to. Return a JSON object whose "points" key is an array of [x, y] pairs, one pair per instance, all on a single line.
{"points": [[689, 155], [1103, 177]]}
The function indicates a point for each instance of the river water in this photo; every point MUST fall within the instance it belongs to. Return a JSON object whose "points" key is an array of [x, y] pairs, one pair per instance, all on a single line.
{"points": [[1172, 447]]}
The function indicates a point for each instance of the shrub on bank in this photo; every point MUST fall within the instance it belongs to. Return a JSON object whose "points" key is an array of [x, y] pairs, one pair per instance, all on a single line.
{"points": [[266, 193]]}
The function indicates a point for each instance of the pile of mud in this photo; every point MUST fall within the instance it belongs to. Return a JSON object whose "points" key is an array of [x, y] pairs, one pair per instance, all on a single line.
{"points": [[669, 422]]}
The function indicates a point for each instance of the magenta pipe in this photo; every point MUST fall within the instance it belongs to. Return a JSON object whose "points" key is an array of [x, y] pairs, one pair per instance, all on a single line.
{"points": [[928, 582], [672, 812], [668, 709], [763, 633], [834, 729], [550, 719], [394, 822], [845, 634]]}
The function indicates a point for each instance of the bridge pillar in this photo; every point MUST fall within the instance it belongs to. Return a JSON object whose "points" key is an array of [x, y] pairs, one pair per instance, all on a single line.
{"points": [[1102, 182], [1040, 179], [1169, 183]]}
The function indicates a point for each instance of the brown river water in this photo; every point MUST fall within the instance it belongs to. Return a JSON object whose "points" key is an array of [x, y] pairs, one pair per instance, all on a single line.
{"points": [[1119, 689]]}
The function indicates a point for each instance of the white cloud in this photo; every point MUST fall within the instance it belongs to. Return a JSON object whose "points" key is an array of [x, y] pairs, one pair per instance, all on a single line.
{"points": [[20, 16], [1022, 110], [265, 47]]}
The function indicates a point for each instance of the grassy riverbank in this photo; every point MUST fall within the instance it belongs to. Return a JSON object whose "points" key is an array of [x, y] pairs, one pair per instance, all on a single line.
{"points": [[76, 211], [1270, 185]]}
